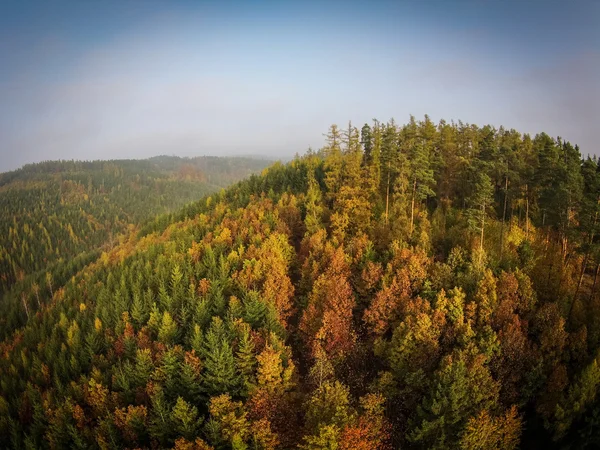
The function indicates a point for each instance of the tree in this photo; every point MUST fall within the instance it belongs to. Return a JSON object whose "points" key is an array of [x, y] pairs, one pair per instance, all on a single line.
{"points": [[133, 423], [479, 202], [49, 283], [371, 430], [219, 375], [389, 162], [414, 349], [328, 317], [352, 141], [270, 369], [333, 163], [198, 444], [35, 287], [191, 377], [313, 205], [326, 439], [487, 432], [366, 140], [588, 217], [185, 419], [461, 388], [422, 175], [581, 395], [160, 424], [328, 405], [385, 307], [167, 333], [231, 421], [246, 360]]}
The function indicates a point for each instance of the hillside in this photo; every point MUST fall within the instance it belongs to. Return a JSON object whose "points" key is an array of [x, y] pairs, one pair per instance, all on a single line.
{"points": [[419, 286], [58, 216]]}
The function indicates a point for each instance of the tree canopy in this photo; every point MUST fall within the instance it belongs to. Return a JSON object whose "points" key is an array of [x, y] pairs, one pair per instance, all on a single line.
{"points": [[406, 286]]}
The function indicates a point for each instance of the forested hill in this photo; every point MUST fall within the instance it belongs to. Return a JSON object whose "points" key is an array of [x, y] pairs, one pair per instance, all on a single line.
{"points": [[419, 286], [58, 215]]}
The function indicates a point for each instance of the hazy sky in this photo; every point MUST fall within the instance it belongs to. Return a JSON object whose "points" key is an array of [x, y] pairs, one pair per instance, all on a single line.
{"points": [[92, 79]]}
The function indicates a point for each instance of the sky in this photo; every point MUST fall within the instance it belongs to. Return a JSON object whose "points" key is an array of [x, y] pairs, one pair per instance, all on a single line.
{"points": [[93, 79]]}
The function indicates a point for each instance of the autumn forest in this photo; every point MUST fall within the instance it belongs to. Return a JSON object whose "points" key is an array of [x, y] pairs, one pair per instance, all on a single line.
{"points": [[420, 285]]}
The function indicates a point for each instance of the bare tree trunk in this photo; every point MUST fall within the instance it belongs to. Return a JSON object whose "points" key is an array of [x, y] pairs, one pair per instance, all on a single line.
{"points": [[578, 286], [503, 216], [583, 267], [387, 197], [412, 207], [586, 259], [565, 247], [562, 270], [544, 219], [24, 300], [482, 229], [36, 290], [595, 278], [526, 212], [550, 267], [49, 283]]}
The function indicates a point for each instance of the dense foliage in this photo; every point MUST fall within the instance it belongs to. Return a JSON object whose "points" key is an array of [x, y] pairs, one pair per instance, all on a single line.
{"points": [[416, 286], [57, 216]]}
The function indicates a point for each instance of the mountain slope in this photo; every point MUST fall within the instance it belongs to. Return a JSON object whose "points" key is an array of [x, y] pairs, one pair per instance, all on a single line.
{"points": [[405, 287], [59, 215]]}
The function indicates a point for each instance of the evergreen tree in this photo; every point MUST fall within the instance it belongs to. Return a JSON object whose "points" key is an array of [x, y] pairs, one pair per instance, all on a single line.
{"points": [[167, 333], [422, 177], [219, 375], [366, 140], [479, 203]]}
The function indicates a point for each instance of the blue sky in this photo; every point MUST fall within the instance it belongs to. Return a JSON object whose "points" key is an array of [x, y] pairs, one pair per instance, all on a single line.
{"points": [[131, 79]]}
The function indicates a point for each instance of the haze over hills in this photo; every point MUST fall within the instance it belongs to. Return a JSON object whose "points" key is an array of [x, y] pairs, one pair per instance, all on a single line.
{"points": [[406, 286], [111, 79]]}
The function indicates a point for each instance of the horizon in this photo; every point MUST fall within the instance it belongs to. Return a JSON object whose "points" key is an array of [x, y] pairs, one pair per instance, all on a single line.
{"points": [[133, 80], [248, 156]]}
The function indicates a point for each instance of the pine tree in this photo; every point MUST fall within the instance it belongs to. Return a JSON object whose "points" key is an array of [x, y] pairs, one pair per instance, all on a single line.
{"points": [[185, 419], [168, 331], [139, 311], [422, 176], [160, 426], [389, 163], [169, 373], [143, 367], [333, 163], [366, 140], [582, 393], [246, 360], [461, 388], [479, 203], [219, 375], [313, 206], [191, 377]]}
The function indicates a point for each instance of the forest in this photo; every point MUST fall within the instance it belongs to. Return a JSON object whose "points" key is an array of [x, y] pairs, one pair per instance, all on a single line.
{"points": [[59, 215], [421, 285]]}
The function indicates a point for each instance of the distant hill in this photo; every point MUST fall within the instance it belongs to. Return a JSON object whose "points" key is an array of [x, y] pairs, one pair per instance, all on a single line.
{"points": [[56, 215]]}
